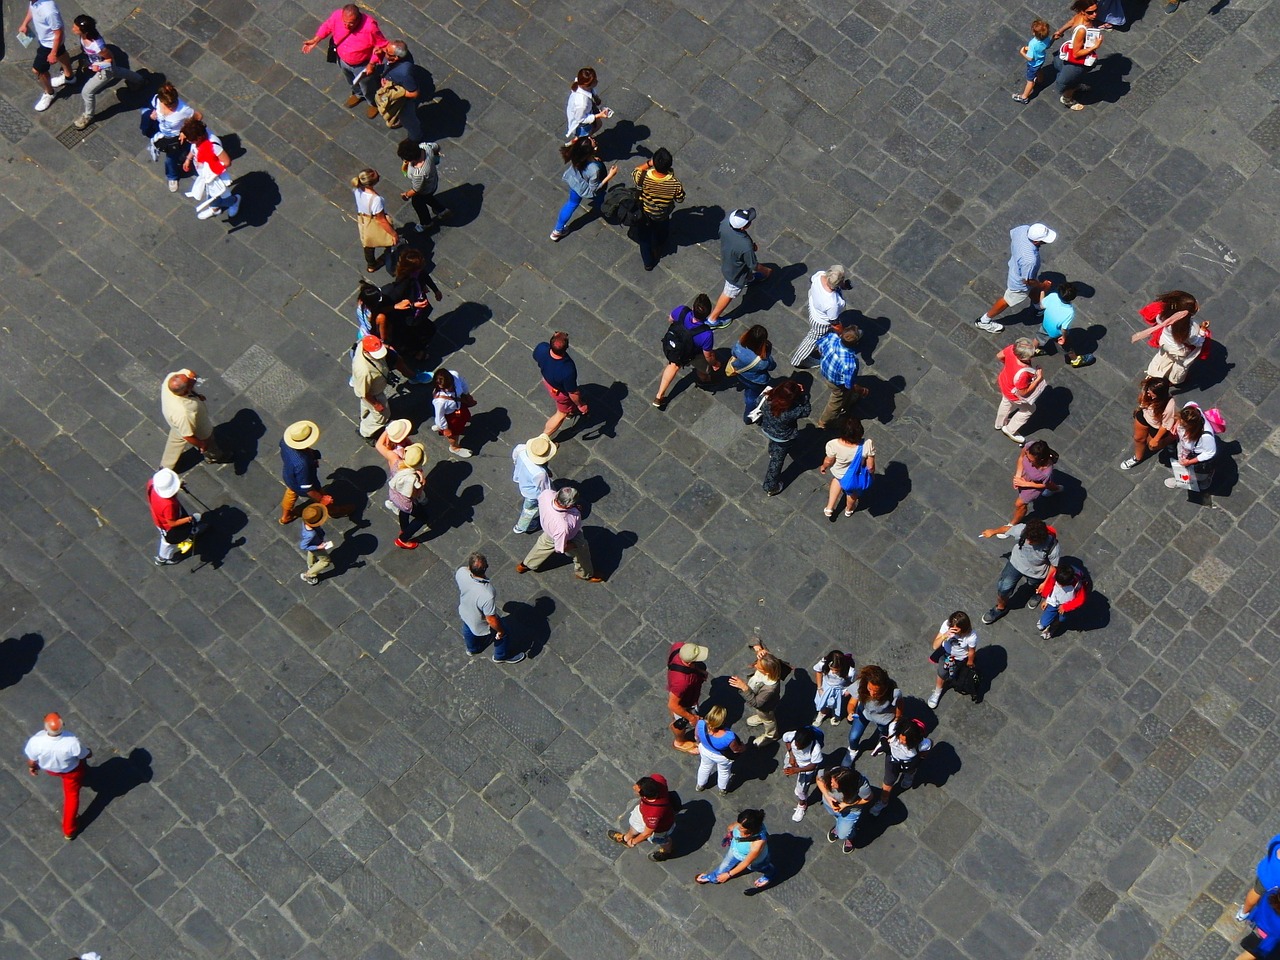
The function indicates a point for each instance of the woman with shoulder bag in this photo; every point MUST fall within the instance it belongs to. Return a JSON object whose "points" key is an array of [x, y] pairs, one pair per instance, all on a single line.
{"points": [[376, 228], [1079, 52], [161, 123], [842, 451], [583, 110], [751, 360], [786, 404], [586, 178]]}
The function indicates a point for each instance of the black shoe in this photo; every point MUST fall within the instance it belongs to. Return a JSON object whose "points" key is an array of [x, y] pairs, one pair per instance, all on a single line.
{"points": [[516, 659], [831, 835], [658, 856], [992, 615]]}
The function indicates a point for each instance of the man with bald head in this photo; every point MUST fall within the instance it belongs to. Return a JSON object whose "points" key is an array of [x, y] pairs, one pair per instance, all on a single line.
{"points": [[60, 754], [188, 420]]}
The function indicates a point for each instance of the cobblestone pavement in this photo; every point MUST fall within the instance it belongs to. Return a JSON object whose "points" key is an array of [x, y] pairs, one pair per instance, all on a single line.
{"points": [[322, 773]]}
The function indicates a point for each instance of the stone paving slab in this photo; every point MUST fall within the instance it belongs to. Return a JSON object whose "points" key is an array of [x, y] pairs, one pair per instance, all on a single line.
{"points": [[323, 773]]}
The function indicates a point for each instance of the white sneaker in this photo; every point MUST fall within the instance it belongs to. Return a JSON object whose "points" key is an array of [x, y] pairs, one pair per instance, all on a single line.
{"points": [[235, 206], [1015, 437], [850, 758], [173, 186], [44, 103], [934, 698], [58, 81], [152, 152], [799, 812], [82, 121], [391, 506], [207, 213], [462, 452], [990, 326], [754, 721], [1174, 484], [435, 428]]}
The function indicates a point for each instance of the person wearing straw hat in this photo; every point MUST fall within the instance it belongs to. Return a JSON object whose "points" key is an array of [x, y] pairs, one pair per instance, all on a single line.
{"points": [[532, 476], [407, 492], [311, 542], [62, 755], [177, 527], [393, 442], [300, 462]]}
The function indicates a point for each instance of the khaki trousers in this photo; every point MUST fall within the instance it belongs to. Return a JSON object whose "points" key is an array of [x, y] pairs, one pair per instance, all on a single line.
{"points": [[576, 548]]}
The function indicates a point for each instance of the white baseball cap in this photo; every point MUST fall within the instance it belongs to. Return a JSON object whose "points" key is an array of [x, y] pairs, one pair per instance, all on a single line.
{"points": [[1039, 233]]}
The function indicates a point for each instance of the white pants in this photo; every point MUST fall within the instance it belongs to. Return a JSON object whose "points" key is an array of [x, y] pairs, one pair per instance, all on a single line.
{"points": [[1013, 416], [707, 762]]}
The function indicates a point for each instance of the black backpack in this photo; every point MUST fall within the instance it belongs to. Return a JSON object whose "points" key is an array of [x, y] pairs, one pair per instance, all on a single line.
{"points": [[967, 682], [677, 343], [622, 207]]}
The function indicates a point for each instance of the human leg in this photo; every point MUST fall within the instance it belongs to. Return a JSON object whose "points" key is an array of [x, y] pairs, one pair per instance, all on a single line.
{"points": [[1022, 411], [664, 382], [837, 399], [833, 497], [777, 453], [528, 520], [580, 551], [750, 397], [540, 552], [411, 521], [71, 782], [706, 767], [166, 550], [174, 446], [372, 420], [1006, 584], [724, 771], [319, 563], [92, 87], [566, 211], [474, 642], [371, 258], [856, 727], [1020, 508], [1003, 411], [287, 501]]}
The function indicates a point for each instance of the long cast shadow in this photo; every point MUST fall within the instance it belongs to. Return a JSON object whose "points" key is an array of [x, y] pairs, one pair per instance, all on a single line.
{"points": [[529, 624], [113, 779], [18, 656]]}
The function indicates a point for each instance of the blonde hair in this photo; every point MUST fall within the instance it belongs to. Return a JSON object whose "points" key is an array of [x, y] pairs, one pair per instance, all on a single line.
{"points": [[365, 178], [1039, 29], [716, 717]]}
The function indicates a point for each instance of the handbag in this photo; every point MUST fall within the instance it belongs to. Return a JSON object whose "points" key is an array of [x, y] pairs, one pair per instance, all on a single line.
{"points": [[373, 233], [331, 55], [732, 370], [758, 410], [857, 478]]}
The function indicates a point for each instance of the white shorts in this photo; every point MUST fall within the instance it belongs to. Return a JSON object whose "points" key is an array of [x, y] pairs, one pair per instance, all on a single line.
{"points": [[731, 291], [636, 823], [1014, 297]]}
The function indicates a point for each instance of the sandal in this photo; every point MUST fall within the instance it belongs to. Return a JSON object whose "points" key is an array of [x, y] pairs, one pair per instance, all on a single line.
{"points": [[829, 514], [761, 882], [849, 513], [705, 878]]}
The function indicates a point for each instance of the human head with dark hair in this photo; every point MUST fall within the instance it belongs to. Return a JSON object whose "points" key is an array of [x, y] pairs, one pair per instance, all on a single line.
{"points": [[754, 338], [850, 335], [410, 151], [751, 821], [586, 79], [167, 94], [1067, 291], [960, 620], [86, 27], [1041, 454], [836, 662], [1080, 6], [804, 738], [850, 430], [478, 564], [701, 307], [411, 263], [194, 131], [1066, 576], [650, 788], [662, 161], [1154, 393], [442, 381], [910, 732], [1174, 300], [784, 395], [1191, 423], [579, 153], [874, 683], [1035, 532]]}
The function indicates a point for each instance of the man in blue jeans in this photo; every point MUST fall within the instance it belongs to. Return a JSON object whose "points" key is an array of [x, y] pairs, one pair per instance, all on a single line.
{"points": [[1035, 556], [478, 608]]}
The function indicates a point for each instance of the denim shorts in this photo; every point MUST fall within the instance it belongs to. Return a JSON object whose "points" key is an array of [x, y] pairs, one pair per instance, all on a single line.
{"points": [[1033, 71]]}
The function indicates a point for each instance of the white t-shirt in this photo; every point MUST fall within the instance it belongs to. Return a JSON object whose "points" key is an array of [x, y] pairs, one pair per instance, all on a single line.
{"points": [[899, 750], [93, 51], [1060, 595], [808, 755], [368, 202], [45, 21], [171, 123], [958, 647], [825, 305], [58, 754], [579, 110], [446, 405]]}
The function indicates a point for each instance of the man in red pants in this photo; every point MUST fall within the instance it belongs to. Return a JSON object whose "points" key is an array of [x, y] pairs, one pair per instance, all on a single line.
{"points": [[60, 755]]}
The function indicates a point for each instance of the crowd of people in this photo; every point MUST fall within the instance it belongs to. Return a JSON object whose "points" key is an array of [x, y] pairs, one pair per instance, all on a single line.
{"points": [[395, 336]]}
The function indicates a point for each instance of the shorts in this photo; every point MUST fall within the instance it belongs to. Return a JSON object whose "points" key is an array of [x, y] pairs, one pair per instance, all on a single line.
{"points": [[1254, 945], [1258, 888], [41, 62], [947, 668], [731, 290], [699, 363], [1014, 297], [458, 420], [1033, 71], [564, 403], [636, 823]]}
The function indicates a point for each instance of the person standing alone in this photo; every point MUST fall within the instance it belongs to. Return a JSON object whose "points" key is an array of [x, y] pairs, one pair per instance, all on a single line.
{"points": [[61, 755]]}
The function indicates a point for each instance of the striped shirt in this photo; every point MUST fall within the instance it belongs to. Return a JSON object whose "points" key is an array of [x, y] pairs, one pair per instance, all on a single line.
{"points": [[658, 194]]}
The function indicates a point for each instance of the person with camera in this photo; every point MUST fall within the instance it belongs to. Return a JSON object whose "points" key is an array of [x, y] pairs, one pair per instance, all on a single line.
{"points": [[161, 123]]}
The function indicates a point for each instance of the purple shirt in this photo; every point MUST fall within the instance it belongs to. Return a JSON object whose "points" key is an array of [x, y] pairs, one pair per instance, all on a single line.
{"points": [[560, 525]]}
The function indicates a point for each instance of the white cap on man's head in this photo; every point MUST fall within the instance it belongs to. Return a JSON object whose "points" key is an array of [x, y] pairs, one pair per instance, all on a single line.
{"points": [[1039, 233]]}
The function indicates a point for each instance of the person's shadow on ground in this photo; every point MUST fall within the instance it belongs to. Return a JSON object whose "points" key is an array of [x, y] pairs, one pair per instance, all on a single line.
{"points": [[529, 624], [803, 455], [464, 202], [939, 765], [605, 411], [890, 488], [695, 823], [239, 436], [1067, 502], [795, 705], [486, 427], [259, 198], [1052, 409], [444, 485], [453, 329], [1107, 81], [218, 537], [355, 486], [764, 295], [18, 656], [881, 401], [347, 552], [873, 330], [111, 780], [607, 548], [788, 853], [691, 226], [445, 116], [1210, 371], [990, 661], [617, 144]]}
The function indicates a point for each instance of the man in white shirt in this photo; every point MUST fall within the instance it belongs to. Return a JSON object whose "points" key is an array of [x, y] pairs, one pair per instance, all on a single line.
{"points": [[45, 17], [60, 754]]}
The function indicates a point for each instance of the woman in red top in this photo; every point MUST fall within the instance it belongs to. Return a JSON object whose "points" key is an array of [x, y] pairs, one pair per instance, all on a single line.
{"points": [[1079, 52], [211, 163], [1020, 385]]}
